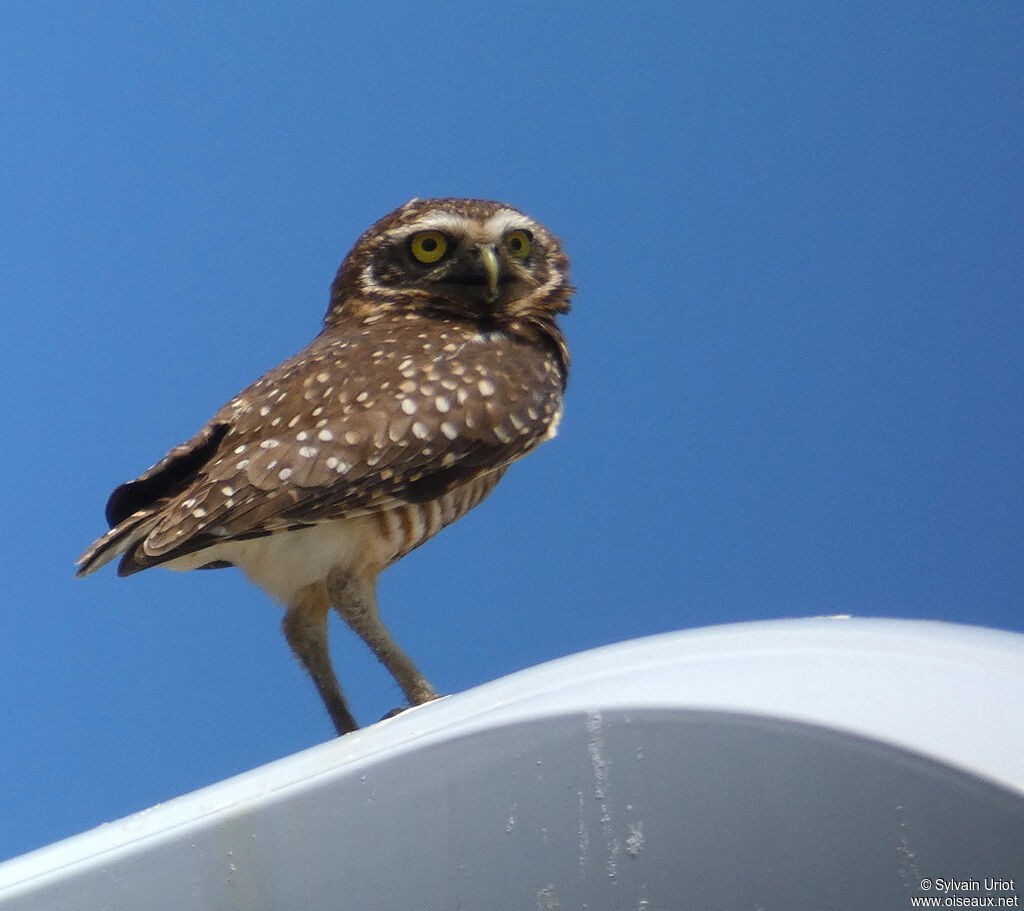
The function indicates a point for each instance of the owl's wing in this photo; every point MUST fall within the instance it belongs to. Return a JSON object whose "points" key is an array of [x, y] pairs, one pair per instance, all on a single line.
{"points": [[347, 427], [134, 507]]}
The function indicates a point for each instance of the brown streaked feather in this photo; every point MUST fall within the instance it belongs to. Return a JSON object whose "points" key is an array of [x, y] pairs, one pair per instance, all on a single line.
{"points": [[121, 538]]}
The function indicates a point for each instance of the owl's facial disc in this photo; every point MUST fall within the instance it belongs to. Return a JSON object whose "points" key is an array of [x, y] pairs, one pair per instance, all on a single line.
{"points": [[470, 258]]}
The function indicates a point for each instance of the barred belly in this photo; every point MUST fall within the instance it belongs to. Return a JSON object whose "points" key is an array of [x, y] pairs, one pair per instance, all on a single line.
{"points": [[405, 528]]}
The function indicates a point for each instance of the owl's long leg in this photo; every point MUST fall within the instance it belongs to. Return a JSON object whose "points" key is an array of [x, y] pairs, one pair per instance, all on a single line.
{"points": [[355, 599], [305, 628]]}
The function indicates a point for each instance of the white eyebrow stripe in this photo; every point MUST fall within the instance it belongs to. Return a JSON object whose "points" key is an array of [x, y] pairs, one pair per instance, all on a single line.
{"points": [[496, 226], [448, 222], [505, 220]]}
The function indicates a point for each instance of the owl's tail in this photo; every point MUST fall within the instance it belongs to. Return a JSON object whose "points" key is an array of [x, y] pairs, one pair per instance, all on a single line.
{"points": [[121, 538]]}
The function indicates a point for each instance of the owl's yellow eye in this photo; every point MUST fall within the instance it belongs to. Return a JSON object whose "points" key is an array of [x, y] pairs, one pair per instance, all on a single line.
{"points": [[518, 243], [428, 246]]}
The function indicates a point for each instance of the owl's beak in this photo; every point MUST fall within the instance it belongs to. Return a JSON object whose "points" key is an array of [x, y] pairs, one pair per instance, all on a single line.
{"points": [[492, 269], [478, 274]]}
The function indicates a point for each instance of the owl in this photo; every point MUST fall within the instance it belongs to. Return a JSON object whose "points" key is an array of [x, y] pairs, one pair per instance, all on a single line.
{"points": [[440, 363]]}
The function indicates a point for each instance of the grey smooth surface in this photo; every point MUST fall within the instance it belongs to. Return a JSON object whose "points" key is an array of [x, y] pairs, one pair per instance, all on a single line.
{"points": [[793, 764]]}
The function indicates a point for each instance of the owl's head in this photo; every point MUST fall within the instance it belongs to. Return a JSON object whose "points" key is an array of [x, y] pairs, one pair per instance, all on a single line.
{"points": [[470, 258]]}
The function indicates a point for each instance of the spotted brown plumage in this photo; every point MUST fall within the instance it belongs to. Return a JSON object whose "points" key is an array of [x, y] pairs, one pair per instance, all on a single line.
{"points": [[439, 364]]}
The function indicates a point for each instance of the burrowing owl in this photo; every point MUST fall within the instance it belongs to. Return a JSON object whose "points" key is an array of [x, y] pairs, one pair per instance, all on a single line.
{"points": [[439, 364]]}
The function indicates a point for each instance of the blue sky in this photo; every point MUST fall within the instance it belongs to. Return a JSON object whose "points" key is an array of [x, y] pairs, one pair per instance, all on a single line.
{"points": [[798, 340]]}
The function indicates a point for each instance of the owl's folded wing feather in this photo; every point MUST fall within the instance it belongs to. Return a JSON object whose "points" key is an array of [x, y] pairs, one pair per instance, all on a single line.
{"points": [[329, 434]]}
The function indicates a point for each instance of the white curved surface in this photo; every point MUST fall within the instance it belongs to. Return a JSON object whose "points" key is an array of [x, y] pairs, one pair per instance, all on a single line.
{"points": [[949, 691], [951, 694]]}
